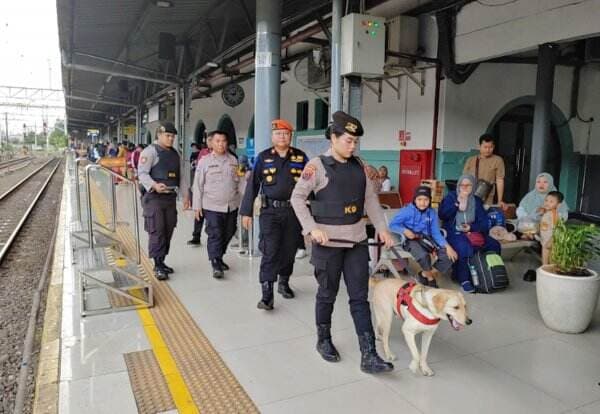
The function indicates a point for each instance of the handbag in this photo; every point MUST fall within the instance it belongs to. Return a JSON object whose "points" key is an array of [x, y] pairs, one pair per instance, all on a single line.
{"points": [[475, 238], [483, 187]]}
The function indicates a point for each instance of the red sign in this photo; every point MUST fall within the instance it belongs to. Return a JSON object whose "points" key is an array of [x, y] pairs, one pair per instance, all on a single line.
{"points": [[403, 135]]}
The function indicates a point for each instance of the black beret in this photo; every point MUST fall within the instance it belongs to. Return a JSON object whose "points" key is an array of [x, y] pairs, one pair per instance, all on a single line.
{"points": [[167, 127], [347, 123]]}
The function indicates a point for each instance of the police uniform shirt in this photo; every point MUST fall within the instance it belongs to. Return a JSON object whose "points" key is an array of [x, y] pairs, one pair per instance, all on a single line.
{"points": [[315, 179], [217, 184], [149, 159], [277, 176]]}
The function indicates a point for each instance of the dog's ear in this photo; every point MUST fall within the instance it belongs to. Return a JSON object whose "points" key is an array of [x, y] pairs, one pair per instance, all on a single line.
{"points": [[439, 301]]}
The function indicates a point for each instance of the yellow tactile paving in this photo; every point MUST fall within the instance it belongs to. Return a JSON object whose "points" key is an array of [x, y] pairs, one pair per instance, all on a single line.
{"points": [[213, 387]]}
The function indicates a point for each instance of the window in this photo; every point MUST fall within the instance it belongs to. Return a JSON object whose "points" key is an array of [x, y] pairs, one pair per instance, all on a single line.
{"points": [[321, 114], [302, 116]]}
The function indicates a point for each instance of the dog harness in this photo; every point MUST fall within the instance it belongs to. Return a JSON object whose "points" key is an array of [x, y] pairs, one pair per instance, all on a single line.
{"points": [[403, 298]]}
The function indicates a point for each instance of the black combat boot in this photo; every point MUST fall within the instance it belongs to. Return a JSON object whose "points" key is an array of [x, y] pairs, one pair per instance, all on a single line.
{"points": [[168, 269], [159, 270], [224, 265], [283, 288], [217, 269], [324, 345], [370, 362], [194, 242], [266, 302]]}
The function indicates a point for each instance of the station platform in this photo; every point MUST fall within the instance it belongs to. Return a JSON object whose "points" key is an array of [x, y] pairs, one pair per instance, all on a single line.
{"points": [[204, 346]]}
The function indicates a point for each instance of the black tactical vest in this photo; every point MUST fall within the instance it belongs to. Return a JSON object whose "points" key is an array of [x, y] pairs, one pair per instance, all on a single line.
{"points": [[166, 171], [342, 201]]}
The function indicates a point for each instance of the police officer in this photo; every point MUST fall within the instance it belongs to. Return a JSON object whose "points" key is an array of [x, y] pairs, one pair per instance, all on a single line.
{"points": [[161, 174], [197, 232], [217, 193], [276, 171], [343, 194]]}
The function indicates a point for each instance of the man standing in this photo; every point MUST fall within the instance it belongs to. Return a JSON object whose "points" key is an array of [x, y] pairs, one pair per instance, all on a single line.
{"points": [[276, 171], [488, 167], [342, 194], [161, 173], [217, 194]]}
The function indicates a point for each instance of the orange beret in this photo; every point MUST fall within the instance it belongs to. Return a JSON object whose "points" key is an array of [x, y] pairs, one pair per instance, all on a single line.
{"points": [[281, 124]]}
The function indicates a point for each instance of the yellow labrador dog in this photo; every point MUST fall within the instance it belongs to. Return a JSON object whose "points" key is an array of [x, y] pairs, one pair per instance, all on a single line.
{"points": [[422, 308]]}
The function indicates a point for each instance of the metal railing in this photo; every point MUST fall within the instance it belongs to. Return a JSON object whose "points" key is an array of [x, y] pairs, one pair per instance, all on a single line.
{"points": [[113, 205]]}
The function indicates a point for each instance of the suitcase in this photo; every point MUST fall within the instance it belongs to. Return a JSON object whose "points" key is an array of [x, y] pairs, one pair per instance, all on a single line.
{"points": [[488, 272]]}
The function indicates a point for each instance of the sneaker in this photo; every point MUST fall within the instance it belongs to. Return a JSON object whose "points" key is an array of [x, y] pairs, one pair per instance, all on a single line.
{"points": [[467, 287], [301, 254]]}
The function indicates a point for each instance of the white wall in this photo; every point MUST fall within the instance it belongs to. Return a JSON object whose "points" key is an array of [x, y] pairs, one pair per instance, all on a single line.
{"points": [[483, 32], [469, 108]]}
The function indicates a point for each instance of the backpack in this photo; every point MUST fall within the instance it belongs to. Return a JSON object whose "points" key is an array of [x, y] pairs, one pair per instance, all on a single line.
{"points": [[488, 272]]}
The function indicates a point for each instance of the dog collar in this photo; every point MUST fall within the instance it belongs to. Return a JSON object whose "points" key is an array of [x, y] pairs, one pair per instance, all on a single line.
{"points": [[403, 298]]}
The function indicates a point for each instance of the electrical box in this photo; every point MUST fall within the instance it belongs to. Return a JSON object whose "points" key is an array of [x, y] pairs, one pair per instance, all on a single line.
{"points": [[403, 37], [363, 45]]}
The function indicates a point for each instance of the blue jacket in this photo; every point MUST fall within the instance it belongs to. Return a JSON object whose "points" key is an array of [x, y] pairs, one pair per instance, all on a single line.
{"points": [[423, 222]]}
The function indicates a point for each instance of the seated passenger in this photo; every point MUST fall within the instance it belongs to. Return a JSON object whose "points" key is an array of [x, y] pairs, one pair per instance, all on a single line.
{"points": [[419, 224], [467, 227], [386, 183], [531, 208]]}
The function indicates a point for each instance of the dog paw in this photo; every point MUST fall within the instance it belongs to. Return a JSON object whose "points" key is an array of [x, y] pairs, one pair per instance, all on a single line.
{"points": [[414, 367], [428, 372]]}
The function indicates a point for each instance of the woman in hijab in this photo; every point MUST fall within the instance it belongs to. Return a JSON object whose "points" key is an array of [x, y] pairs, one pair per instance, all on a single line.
{"points": [[467, 228], [532, 205]]}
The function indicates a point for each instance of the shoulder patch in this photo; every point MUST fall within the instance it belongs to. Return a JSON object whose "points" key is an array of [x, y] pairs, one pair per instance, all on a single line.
{"points": [[308, 172], [143, 160]]}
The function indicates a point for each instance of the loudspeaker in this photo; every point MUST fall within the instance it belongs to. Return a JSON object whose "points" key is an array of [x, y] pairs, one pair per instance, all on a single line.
{"points": [[166, 46]]}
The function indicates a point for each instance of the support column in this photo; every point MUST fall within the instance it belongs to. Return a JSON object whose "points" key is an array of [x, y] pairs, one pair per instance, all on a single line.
{"points": [[542, 116], [138, 125], [119, 130], [267, 87], [186, 92], [335, 99], [177, 120]]}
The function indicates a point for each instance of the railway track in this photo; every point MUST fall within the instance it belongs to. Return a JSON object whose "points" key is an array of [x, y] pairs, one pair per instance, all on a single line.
{"points": [[17, 203], [14, 164]]}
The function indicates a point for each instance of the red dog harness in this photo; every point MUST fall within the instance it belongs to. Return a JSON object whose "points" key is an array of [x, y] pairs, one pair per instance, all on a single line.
{"points": [[403, 298]]}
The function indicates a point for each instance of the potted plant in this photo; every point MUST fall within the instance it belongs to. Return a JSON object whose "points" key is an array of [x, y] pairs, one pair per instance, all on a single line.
{"points": [[567, 290]]}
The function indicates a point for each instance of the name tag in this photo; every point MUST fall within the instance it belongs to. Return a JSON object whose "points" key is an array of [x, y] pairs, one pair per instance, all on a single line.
{"points": [[352, 209], [172, 174]]}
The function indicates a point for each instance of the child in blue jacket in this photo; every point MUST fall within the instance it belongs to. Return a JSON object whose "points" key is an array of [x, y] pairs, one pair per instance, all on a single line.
{"points": [[418, 224]]}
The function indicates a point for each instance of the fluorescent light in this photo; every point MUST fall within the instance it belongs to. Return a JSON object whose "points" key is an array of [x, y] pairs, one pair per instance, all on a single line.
{"points": [[165, 4]]}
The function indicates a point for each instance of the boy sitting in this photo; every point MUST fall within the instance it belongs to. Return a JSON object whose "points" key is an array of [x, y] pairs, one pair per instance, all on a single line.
{"points": [[419, 224], [548, 222]]}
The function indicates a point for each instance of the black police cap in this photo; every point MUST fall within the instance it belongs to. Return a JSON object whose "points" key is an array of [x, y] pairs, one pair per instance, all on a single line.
{"points": [[344, 122], [167, 127]]}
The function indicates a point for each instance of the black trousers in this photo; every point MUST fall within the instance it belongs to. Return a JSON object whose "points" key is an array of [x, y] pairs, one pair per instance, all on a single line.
{"points": [[160, 219], [197, 232], [278, 241], [330, 263], [220, 228]]}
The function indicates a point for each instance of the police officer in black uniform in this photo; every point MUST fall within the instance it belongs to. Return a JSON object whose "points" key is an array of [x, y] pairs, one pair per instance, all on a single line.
{"points": [[276, 171], [340, 194], [162, 176]]}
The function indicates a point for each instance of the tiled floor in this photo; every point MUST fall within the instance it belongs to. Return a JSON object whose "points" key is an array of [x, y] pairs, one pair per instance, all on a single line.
{"points": [[506, 362]]}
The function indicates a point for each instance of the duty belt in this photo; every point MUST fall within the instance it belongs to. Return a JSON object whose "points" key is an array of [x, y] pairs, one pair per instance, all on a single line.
{"points": [[279, 203]]}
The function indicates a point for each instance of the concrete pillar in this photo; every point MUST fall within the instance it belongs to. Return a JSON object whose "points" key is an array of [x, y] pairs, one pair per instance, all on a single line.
{"points": [[335, 99], [119, 130], [542, 116], [138, 125], [267, 87], [177, 120]]}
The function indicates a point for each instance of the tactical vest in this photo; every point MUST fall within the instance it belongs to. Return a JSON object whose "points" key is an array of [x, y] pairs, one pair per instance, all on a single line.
{"points": [[166, 171], [342, 201]]}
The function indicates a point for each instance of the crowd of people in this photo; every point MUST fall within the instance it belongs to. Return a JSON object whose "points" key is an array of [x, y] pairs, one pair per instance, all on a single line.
{"points": [[326, 199]]}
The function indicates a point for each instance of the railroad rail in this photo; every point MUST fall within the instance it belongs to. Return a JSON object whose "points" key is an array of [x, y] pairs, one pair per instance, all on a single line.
{"points": [[6, 166], [17, 203]]}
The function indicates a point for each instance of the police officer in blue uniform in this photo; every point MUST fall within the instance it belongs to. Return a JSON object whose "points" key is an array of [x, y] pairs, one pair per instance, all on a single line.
{"points": [[276, 171], [162, 176], [340, 195]]}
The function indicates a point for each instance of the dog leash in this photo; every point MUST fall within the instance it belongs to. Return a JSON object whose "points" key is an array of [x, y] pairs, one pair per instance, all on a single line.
{"points": [[367, 243]]}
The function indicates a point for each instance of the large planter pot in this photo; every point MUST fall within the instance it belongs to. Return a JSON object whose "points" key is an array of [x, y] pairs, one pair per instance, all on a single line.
{"points": [[567, 303]]}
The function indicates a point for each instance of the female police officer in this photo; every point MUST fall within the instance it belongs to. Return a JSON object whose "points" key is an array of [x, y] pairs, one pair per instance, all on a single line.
{"points": [[342, 192]]}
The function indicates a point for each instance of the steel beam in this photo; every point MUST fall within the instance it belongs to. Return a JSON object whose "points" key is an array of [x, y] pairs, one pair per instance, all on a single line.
{"points": [[336, 56], [127, 65], [110, 72], [106, 102]]}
